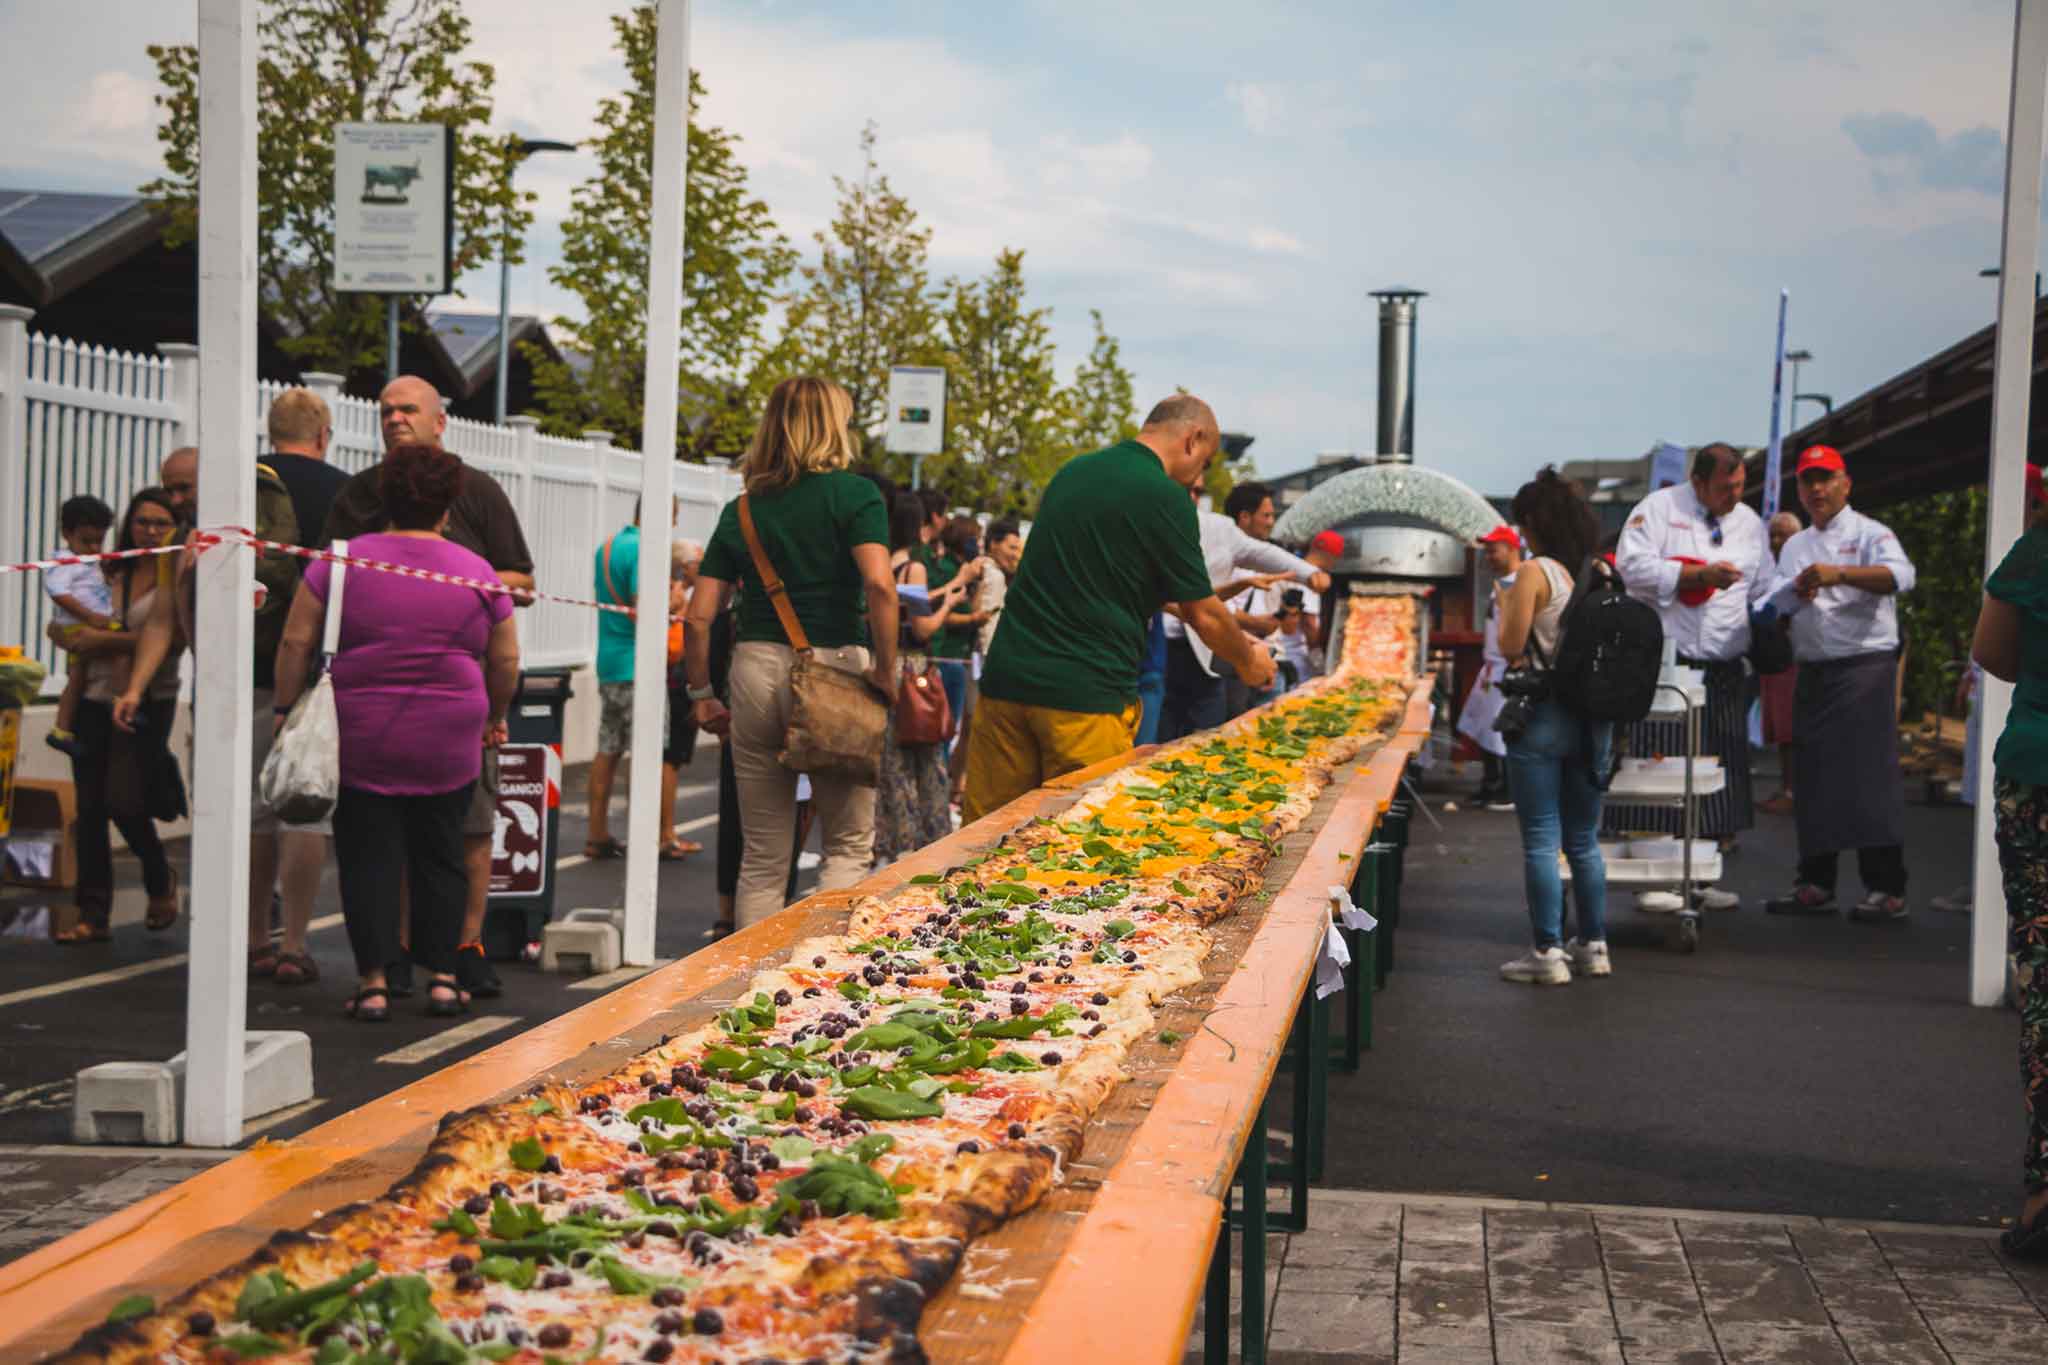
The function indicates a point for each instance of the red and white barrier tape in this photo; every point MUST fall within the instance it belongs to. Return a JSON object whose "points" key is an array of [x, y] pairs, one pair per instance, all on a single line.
{"points": [[203, 540]]}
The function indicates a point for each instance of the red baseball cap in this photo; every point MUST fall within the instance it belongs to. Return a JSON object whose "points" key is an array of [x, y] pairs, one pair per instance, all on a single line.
{"points": [[1329, 542], [1502, 534], [1693, 596], [1820, 457]]}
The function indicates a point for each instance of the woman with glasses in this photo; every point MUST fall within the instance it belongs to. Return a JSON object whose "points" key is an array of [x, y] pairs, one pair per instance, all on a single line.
{"points": [[127, 777]]}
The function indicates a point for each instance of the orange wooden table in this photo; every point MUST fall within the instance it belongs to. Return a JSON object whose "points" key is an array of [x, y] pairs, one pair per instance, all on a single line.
{"points": [[1129, 1271]]}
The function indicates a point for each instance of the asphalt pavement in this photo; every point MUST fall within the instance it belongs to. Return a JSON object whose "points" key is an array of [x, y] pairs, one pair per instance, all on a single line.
{"points": [[66, 1008], [1792, 1066]]}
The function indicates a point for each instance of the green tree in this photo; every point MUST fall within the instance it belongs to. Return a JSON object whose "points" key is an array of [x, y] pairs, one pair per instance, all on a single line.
{"points": [[734, 262], [1100, 407], [1006, 416], [1944, 537], [325, 62], [865, 305]]}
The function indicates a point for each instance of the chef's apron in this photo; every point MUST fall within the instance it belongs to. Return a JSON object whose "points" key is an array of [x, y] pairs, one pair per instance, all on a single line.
{"points": [[1847, 790]]}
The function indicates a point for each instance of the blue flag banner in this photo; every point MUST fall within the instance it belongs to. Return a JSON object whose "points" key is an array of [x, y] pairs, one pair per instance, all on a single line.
{"points": [[1667, 465], [1775, 457]]}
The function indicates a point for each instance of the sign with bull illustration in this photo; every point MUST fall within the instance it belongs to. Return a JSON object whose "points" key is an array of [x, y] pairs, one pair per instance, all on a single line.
{"points": [[393, 207]]}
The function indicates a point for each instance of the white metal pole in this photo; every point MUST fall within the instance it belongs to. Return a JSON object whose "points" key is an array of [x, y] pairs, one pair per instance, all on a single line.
{"points": [[657, 473], [504, 322], [2012, 369], [218, 981]]}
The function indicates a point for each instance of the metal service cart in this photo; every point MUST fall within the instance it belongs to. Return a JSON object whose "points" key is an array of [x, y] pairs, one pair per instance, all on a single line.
{"points": [[1668, 871]]}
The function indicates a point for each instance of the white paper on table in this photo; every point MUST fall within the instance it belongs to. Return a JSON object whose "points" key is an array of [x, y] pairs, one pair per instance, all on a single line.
{"points": [[1330, 966], [1347, 911]]}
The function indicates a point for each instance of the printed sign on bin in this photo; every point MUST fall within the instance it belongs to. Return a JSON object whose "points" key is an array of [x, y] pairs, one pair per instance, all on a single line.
{"points": [[519, 834]]}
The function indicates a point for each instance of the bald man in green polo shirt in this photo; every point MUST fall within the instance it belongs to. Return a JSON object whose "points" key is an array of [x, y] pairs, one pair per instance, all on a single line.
{"points": [[1115, 538]]}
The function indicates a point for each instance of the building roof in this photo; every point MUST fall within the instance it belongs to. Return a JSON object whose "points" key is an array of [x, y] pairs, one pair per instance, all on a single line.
{"points": [[468, 343], [53, 241]]}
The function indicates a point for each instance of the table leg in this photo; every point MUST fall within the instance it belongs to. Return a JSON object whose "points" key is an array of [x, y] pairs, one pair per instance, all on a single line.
{"points": [[1252, 1315], [1318, 1100], [1216, 1296]]}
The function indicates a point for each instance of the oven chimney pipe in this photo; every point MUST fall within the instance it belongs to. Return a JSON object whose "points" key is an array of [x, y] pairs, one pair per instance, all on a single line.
{"points": [[1396, 444]]}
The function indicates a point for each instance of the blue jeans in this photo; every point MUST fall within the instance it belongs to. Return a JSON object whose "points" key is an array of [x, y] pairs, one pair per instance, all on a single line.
{"points": [[953, 677], [1553, 770], [1152, 700]]}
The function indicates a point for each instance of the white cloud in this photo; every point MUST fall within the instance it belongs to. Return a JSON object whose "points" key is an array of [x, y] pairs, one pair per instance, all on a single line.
{"points": [[117, 105], [1273, 242], [1257, 103]]}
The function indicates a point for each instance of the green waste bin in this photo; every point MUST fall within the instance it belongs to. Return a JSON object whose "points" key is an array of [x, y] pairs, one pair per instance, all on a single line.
{"points": [[526, 835]]}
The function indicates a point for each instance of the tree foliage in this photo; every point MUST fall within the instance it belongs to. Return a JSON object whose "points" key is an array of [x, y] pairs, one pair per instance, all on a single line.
{"points": [[1100, 407], [1004, 407], [324, 62], [735, 261], [1944, 537], [866, 304]]}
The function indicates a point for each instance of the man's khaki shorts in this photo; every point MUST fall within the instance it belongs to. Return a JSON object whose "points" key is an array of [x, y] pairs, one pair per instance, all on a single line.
{"points": [[483, 802]]}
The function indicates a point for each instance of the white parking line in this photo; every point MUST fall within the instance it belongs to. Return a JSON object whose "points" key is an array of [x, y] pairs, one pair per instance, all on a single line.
{"points": [[133, 969], [264, 1123], [604, 981], [480, 1027]]}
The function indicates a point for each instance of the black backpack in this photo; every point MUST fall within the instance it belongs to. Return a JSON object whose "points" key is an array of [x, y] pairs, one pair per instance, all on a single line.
{"points": [[1610, 648]]}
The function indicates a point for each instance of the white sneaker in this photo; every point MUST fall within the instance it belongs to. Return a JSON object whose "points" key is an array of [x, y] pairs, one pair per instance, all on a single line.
{"points": [[1539, 967], [1956, 902], [1659, 902], [1589, 959], [1714, 898]]}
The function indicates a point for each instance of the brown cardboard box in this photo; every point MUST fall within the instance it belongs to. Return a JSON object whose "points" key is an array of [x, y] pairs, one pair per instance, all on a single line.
{"points": [[47, 810]]}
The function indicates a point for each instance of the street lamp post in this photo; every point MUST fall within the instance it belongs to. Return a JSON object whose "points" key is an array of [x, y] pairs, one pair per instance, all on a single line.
{"points": [[521, 148], [1826, 401], [1990, 272], [1796, 358]]}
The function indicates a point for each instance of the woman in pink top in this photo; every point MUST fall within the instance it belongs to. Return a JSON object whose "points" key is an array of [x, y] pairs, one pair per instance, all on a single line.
{"points": [[423, 677]]}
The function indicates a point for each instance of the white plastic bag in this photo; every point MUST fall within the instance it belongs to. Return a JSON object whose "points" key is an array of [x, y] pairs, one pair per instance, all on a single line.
{"points": [[302, 776]]}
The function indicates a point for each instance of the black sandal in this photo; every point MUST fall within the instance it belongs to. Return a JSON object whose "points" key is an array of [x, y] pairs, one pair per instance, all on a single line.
{"points": [[453, 1003], [359, 1008], [2027, 1241], [606, 848]]}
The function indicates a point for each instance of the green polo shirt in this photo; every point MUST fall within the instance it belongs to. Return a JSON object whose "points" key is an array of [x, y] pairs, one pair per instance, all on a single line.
{"points": [[2022, 580], [1114, 538], [808, 530], [951, 642]]}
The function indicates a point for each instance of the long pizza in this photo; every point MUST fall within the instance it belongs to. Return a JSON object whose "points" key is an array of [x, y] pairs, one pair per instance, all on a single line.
{"points": [[794, 1179]]}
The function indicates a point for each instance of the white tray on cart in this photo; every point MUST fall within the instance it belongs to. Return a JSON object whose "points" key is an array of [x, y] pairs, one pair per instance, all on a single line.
{"points": [[1666, 703], [1663, 779], [1646, 864]]}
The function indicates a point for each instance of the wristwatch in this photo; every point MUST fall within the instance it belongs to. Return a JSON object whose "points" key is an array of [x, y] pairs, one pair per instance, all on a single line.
{"points": [[705, 693]]}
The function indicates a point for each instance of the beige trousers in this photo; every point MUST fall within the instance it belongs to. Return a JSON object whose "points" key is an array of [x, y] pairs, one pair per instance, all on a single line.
{"points": [[844, 810]]}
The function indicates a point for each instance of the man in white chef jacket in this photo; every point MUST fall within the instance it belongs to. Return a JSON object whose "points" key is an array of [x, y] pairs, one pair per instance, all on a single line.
{"points": [[1702, 558], [1841, 577]]}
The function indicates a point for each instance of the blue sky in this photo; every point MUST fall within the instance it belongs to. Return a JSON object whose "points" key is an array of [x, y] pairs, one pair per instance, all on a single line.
{"points": [[1603, 202]]}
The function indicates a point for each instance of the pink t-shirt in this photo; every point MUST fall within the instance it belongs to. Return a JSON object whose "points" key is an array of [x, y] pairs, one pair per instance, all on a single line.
{"points": [[409, 680]]}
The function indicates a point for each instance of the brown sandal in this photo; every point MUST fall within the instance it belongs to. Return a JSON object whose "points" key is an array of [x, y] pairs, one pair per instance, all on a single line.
{"points": [[263, 959], [295, 969], [82, 932]]}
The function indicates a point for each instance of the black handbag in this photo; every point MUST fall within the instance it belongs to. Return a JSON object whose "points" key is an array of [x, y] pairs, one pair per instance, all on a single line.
{"points": [[1770, 646]]}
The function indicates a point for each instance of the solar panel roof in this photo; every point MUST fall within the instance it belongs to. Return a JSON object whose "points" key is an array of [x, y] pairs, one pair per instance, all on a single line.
{"points": [[39, 224]]}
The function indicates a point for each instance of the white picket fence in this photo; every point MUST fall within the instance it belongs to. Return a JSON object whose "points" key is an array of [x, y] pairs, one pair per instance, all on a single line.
{"points": [[82, 419]]}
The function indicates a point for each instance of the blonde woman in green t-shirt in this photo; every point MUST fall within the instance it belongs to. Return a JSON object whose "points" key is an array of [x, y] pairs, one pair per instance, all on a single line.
{"points": [[825, 533]]}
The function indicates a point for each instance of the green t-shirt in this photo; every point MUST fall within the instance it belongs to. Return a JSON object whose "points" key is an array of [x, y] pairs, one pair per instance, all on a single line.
{"points": [[809, 530], [2022, 580], [1114, 538], [951, 642]]}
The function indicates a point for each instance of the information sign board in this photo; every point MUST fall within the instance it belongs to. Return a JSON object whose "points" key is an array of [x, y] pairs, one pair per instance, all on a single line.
{"points": [[394, 208], [917, 410]]}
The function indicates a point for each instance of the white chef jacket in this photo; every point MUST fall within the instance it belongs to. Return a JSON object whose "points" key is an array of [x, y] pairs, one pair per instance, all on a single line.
{"points": [[1843, 621], [1228, 551], [1671, 522]]}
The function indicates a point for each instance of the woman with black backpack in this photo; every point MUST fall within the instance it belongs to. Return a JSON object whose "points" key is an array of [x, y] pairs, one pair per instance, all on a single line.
{"points": [[1557, 757]]}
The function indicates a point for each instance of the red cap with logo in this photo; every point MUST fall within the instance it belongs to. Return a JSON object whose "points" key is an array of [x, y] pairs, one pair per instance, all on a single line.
{"points": [[1821, 457], [1329, 542], [1502, 534]]}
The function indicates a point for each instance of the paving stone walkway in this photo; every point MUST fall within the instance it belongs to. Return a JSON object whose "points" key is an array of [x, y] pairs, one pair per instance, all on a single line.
{"points": [[50, 1192], [1383, 1278]]}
